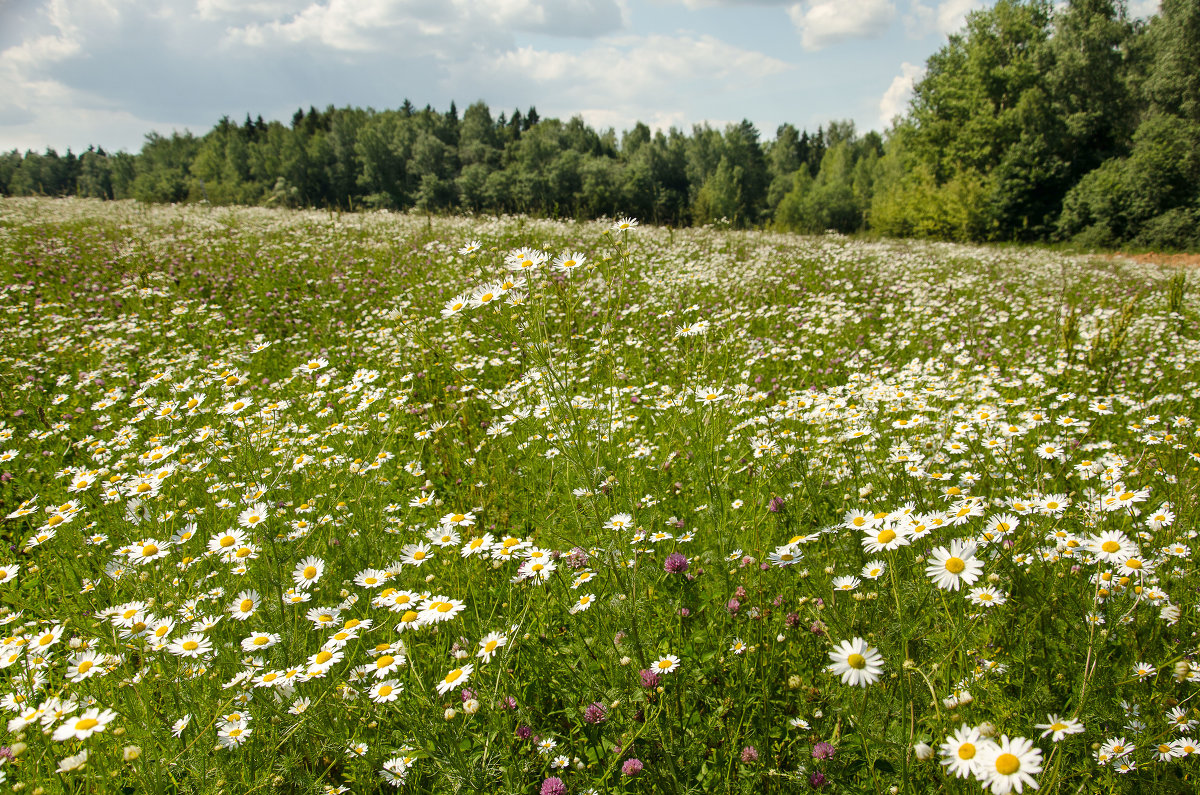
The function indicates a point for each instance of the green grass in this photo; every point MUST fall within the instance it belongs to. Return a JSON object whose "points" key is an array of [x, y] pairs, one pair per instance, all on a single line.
{"points": [[679, 431]]}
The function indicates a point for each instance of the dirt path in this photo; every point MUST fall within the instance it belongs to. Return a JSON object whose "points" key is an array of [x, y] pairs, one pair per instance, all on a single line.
{"points": [[1174, 260]]}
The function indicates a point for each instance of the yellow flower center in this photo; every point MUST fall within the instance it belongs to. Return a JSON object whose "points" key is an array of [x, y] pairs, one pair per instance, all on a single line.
{"points": [[261, 640], [227, 541], [490, 647], [966, 751], [664, 664], [324, 657], [1110, 546], [955, 565], [86, 723], [453, 676], [385, 661], [856, 661], [85, 666], [246, 606], [445, 607], [1007, 764], [886, 537], [190, 645], [309, 572], [149, 550], [1057, 727], [385, 690], [1133, 563], [409, 617], [419, 555]]}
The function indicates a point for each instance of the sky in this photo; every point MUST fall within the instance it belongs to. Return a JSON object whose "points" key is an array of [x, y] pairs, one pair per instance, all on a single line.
{"points": [[107, 72]]}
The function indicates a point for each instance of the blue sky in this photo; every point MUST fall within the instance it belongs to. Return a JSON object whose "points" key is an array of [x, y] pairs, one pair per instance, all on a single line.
{"points": [[106, 72]]}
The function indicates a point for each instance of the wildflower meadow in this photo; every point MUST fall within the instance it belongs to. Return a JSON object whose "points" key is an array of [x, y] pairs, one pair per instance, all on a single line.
{"points": [[309, 502]]}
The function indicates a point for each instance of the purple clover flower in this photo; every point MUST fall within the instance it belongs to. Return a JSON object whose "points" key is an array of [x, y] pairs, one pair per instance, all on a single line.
{"points": [[675, 563]]}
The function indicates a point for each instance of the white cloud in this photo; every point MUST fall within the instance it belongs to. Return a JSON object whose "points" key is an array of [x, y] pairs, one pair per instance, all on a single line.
{"points": [[947, 17], [436, 27], [626, 70], [894, 101], [825, 22], [660, 80], [1141, 9]]}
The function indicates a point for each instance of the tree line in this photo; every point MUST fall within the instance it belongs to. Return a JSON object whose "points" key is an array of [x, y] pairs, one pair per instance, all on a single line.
{"points": [[1033, 123]]}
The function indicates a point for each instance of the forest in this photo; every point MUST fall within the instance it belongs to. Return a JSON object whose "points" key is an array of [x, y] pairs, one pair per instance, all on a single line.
{"points": [[1040, 123]]}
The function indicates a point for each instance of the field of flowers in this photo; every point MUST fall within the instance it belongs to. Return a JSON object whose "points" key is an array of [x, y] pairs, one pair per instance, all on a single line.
{"points": [[303, 502]]}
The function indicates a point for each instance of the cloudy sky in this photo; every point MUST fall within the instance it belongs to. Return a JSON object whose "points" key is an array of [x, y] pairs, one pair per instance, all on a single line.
{"points": [[106, 72]]}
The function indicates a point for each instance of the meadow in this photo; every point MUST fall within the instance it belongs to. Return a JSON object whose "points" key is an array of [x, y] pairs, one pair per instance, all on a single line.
{"points": [[308, 502]]}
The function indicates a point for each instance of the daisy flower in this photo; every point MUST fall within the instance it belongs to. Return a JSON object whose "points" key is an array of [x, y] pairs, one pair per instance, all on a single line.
{"points": [[950, 568], [256, 514], [1059, 727], [148, 549], [455, 678], [385, 691], [259, 640], [415, 554], [455, 305], [857, 663], [490, 645], [85, 665], [191, 645], [568, 262], [666, 664], [244, 605], [885, 540], [84, 726], [620, 521], [308, 571], [874, 569], [384, 664], [582, 603], [960, 752], [1009, 765], [524, 259], [624, 224], [178, 726], [986, 596], [233, 735]]}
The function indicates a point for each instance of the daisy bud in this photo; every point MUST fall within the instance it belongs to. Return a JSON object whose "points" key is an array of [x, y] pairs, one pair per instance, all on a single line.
{"points": [[987, 729], [780, 638], [131, 752], [450, 713], [923, 751], [993, 578], [625, 661], [471, 706], [794, 682], [1182, 669]]}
